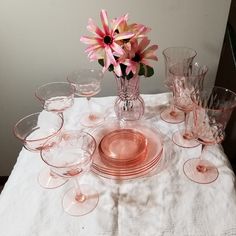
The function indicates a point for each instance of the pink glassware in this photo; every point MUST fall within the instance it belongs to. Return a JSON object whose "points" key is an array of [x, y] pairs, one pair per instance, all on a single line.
{"points": [[56, 96], [173, 55], [129, 105], [146, 158], [33, 131], [87, 83], [70, 156], [186, 81], [123, 147], [212, 110]]}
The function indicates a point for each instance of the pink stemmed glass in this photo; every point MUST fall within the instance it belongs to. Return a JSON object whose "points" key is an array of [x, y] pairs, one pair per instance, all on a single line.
{"points": [[212, 110], [56, 96], [70, 156], [87, 83], [186, 81], [33, 131], [173, 55]]}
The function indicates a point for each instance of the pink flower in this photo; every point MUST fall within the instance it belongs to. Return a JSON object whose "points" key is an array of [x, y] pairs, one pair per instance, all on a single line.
{"points": [[139, 54], [104, 45]]}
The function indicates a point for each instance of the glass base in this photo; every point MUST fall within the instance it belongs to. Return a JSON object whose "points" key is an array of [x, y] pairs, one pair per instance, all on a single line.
{"points": [[200, 171], [172, 116], [92, 119], [184, 140], [82, 206], [48, 180]]}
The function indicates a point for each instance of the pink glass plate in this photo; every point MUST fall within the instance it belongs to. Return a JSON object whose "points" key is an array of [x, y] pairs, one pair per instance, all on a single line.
{"points": [[123, 147], [153, 152]]}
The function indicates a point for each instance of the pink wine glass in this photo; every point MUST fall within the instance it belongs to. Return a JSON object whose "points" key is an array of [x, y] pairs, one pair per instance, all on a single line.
{"points": [[87, 83], [173, 55], [56, 96], [33, 131], [186, 81], [212, 110], [70, 157]]}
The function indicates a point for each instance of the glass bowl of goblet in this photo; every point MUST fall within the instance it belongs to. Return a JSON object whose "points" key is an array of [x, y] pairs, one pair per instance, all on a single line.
{"points": [[87, 83], [33, 131], [56, 96], [70, 157], [212, 111]]}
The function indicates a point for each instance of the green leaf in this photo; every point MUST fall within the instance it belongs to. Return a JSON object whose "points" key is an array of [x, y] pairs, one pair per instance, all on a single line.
{"points": [[146, 70], [101, 62]]}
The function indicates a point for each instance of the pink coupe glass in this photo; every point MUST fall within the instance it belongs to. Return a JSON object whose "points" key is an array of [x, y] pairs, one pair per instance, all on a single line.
{"points": [[33, 131], [56, 96], [70, 156], [212, 110], [87, 83], [186, 81], [173, 55]]}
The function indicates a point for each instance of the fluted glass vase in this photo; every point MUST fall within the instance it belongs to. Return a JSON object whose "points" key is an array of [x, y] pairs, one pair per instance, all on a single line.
{"points": [[129, 105]]}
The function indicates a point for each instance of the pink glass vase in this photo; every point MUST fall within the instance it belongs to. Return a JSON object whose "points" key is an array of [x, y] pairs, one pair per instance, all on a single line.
{"points": [[129, 105]]}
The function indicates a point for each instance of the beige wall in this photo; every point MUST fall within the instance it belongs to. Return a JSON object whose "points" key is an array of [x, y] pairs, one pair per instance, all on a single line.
{"points": [[39, 42]]}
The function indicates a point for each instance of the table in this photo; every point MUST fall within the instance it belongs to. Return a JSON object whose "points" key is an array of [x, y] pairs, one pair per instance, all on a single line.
{"points": [[163, 203]]}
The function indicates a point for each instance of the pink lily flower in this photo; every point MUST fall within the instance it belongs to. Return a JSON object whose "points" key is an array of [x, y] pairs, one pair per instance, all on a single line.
{"points": [[104, 45]]}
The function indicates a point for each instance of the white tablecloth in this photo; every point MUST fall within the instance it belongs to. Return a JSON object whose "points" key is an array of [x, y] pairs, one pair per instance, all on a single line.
{"points": [[164, 203]]}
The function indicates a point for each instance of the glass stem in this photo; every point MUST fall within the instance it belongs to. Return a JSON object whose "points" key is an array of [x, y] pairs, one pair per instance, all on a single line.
{"points": [[186, 120], [79, 196], [203, 145], [89, 105]]}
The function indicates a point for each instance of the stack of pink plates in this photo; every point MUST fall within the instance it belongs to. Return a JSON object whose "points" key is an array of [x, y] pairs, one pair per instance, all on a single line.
{"points": [[126, 151]]}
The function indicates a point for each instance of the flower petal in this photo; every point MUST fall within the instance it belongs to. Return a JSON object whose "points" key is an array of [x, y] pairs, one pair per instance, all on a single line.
{"points": [[109, 57], [89, 40], [125, 35], [93, 28], [104, 19], [143, 44], [117, 49]]}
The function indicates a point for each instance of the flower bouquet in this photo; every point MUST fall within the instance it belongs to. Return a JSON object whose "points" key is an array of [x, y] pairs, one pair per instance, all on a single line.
{"points": [[123, 49]]}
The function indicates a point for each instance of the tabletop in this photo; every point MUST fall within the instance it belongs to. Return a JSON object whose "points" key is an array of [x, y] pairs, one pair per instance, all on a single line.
{"points": [[163, 202]]}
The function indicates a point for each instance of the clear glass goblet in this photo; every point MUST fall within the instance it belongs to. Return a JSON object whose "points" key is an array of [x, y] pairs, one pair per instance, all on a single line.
{"points": [[212, 111], [87, 83], [186, 81], [70, 156], [173, 55], [56, 96], [33, 131]]}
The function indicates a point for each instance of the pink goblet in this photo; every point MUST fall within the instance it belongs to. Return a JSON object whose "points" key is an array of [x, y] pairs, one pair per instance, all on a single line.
{"points": [[33, 131], [212, 110], [186, 81], [56, 96], [70, 156], [87, 83], [173, 55]]}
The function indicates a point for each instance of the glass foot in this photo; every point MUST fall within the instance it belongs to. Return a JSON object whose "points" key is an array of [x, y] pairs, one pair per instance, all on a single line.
{"points": [[200, 171], [49, 180], [78, 206], [92, 119], [172, 116], [184, 140]]}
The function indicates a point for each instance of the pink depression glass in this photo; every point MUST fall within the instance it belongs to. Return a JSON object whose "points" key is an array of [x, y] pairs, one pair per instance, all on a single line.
{"points": [[33, 131], [87, 83], [70, 158], [56, 96], [173, 55], [123, 148], [129, 105], [212, 110], [186, 81]]}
